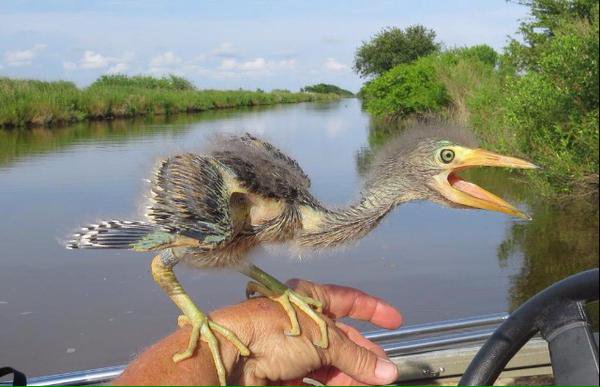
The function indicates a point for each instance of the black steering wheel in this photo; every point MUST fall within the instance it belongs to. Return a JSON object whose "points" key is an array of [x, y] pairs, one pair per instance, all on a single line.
{"points": [[557, 314]]}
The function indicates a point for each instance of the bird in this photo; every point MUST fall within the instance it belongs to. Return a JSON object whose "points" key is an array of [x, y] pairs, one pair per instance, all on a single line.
{"points": [[210, 209]]}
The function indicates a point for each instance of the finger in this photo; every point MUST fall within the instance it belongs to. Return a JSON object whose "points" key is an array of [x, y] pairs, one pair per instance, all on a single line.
{"points": [[331, 376], [357, 337], [340, 301], [334, 377], [358, 362]]}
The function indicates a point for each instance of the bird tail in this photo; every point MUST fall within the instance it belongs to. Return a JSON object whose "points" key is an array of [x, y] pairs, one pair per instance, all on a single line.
{"points": [[112, 234]]}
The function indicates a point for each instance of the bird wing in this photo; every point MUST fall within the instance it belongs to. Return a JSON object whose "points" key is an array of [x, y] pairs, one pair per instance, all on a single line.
{"points": [[263, 169], [190, 197]]}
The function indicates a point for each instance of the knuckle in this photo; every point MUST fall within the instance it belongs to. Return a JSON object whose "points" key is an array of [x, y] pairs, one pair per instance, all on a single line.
{"points": [[363, 359]]}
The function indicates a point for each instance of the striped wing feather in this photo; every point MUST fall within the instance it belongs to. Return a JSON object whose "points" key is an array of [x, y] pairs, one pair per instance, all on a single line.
{"points": [[190, 198]]}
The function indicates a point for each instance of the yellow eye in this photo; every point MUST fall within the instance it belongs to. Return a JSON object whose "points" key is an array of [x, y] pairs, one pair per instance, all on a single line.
{"points": [[447, 155]]}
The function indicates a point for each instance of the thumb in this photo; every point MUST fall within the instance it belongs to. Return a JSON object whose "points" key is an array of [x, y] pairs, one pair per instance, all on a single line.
{"points": [[360, 363]]}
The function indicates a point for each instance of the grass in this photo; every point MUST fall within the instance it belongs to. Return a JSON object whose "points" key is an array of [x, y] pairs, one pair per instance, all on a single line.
{"points": [[26, 103]]}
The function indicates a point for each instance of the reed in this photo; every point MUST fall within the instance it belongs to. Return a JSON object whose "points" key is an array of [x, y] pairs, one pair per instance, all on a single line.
{"points": [[28, 103]]}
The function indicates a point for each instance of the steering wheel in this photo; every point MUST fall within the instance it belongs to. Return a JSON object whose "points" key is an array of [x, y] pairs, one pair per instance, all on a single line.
{"points": [[557, 314]]}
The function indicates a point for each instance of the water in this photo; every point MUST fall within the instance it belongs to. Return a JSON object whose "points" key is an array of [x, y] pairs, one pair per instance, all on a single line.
{"points": [[64, 310]]}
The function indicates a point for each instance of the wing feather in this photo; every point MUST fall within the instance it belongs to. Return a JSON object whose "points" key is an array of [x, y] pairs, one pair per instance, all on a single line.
{"points": [[262, 168], [189, 197]]}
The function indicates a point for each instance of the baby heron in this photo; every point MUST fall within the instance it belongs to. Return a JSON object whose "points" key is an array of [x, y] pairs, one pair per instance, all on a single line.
{"points": [[209, 210]]}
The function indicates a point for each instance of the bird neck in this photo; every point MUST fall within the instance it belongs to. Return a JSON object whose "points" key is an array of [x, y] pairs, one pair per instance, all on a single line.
{"points": [[340, 226]]}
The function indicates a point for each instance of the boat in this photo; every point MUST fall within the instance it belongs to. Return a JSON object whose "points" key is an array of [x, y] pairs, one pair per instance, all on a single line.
{"points": [[425, 353]]}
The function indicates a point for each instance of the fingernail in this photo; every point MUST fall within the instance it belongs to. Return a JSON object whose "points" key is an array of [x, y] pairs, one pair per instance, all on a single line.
{"points": [[385, 370]]}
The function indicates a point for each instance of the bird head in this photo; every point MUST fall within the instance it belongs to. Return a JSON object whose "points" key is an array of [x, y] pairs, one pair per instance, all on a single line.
{"points": [[428, 168]]}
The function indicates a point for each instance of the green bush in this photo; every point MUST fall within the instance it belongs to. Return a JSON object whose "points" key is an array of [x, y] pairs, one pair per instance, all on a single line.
{"points": [[325, 88], [481, 53], [430, 83], [406, 89], [554, 111]]}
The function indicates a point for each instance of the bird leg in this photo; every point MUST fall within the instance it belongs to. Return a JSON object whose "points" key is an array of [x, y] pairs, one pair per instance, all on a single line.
{"points": [[202, 326], [270, 287]]}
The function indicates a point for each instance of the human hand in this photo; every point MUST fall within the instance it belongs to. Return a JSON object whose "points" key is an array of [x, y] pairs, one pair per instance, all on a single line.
{"points": [[350, 359], [260, 323]]}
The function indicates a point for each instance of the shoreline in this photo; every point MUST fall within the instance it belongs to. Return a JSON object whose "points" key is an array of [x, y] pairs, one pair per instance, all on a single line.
{"points": [[30, 103], [151, 115]]}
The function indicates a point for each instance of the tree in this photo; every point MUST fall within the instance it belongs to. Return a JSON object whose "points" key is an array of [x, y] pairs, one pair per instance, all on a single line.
{"points": [[547, 19], [552, 102], [393, 46], [326, 88]]}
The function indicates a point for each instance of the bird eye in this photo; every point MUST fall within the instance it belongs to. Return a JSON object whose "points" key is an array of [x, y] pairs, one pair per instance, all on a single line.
{"points": [[447, 155]]}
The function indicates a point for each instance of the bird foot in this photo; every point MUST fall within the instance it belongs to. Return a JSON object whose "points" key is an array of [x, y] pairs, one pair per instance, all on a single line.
{"points": [[202, 329], [289, 298], [254, 288]]}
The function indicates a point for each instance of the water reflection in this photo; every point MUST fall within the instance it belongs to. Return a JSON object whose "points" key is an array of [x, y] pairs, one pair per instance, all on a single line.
{"points": [[561, 240], [18, 143]]}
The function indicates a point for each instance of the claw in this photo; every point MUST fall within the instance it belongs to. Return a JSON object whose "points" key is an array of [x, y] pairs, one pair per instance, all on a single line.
{"points": [[197, 323], [302, 304], [250, 293], [202, 328], [306, 304], [315, 304]]}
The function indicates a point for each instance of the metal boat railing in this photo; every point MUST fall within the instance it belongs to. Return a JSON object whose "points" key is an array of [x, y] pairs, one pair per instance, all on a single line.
{"points": [[451, 341]]}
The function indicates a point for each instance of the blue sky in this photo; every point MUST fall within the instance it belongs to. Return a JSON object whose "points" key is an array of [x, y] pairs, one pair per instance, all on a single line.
{"points": [[226, 44]]}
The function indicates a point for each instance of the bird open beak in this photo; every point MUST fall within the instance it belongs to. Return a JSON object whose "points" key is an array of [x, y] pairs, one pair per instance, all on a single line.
{"points": [[462, 192]]}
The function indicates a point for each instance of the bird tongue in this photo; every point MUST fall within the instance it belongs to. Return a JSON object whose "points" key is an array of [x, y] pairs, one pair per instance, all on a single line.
{"points": [[470, 188]]}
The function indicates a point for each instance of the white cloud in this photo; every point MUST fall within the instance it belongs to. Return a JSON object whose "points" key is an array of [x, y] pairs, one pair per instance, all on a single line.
{"points": [[256, 65], [333, 65], [91, 60], [23, 57], [118, 68], [186, 69], [165, 59]]}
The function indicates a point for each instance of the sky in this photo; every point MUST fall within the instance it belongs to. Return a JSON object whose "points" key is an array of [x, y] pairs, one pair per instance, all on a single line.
{"points": [[227, 44]]}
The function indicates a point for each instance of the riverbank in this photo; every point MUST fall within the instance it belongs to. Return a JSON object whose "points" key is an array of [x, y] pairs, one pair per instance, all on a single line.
{"points": [[531, 115], [29, 103]]}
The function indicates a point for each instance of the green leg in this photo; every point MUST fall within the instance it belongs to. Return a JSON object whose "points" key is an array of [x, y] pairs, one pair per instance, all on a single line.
{"points": [[202, 327], [270, 287]]}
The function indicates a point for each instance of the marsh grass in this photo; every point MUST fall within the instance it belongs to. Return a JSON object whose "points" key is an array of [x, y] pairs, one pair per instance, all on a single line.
{"points": [[25, 103]]}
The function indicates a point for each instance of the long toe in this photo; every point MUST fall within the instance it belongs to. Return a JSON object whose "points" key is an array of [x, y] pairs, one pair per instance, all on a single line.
{"points": [[315, 304], [302, 304], [202, 329], [230, 336]]}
